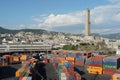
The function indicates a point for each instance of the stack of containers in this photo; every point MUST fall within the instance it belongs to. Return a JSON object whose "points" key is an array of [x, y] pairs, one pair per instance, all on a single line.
{"points": [[53, 60], [111, 64], [26, 78], [59, 66], [95, 65], [3, 61], [79, 60], [66, 71], [77, 76], [52, 57], [8, 58], [55, 63], [0, 61], [64, 68], [70, 58], [24, 71], [88, 54], [15, 58]]}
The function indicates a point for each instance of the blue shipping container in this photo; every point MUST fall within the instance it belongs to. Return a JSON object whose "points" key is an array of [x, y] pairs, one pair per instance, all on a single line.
{"points": [[81, 59]]}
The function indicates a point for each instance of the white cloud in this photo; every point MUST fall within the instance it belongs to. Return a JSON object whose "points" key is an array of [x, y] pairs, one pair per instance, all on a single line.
{"points": [[63, 19], [104, 14], [117, 17], [100, 16]]}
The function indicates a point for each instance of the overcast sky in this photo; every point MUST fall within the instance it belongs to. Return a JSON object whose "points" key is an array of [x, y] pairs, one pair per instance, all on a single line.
{"points": [[61, 15]]}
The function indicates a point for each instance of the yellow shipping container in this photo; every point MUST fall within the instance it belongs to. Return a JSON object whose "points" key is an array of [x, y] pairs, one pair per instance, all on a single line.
{"points": [[94, 70], [69, 58], [17, 73], [116, 76]]}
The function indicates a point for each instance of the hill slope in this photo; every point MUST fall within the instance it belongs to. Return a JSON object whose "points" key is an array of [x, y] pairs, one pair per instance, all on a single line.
{"points": [[40, 31], [35, 31]]}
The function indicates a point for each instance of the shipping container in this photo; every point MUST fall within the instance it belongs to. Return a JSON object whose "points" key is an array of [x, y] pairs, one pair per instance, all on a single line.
{"points": [[23, 57], [116, 76], [109, 71], [77, 76], [16, 59], [79, 63], [111, 62], [63, 76], [94, 70]]}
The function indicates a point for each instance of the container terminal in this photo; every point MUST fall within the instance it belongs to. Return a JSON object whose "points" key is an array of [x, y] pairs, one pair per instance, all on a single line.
{"points": [[59, 65], [26, 62]]}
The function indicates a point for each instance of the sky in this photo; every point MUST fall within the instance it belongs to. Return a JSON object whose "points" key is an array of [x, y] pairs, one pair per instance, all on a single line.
{"points": [[61, 15]]}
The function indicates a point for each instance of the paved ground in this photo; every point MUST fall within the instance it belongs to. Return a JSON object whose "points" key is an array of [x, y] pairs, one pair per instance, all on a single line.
{"points": [[8, 72], [86, 76], [47, 71]]}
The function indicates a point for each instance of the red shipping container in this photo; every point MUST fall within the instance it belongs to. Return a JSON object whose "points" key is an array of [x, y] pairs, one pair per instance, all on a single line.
{"points": [[64, 68], [51, 60], [109, 71], [77, 76], [98, 57], [79, 63], [55, 65], [72, 62], [71, 72], [96, 65]]}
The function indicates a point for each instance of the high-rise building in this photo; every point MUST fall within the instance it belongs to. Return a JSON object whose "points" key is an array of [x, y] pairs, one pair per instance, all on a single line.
{"points": [[87, 23]]}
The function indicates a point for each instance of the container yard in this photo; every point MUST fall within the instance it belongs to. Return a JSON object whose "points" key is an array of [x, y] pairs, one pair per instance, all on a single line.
{"points": [[59, 65]]}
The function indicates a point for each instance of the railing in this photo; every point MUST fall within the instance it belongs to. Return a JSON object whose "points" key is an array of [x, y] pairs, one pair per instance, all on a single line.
{"points": [[24, 47]]}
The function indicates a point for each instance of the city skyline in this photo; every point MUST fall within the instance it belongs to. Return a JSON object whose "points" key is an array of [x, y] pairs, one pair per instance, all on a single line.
{"points": [[63, 16]]}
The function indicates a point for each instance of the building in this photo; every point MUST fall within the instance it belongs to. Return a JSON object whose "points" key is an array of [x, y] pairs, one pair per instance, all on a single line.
{"points": [[87, 23], [118, 50]]}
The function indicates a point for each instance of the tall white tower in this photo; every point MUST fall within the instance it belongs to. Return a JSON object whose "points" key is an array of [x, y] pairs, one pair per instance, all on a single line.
{"points": [[87, 23]]}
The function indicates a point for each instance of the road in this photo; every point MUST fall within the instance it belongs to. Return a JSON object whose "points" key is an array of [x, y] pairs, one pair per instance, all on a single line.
{"points": [[8, 72]]}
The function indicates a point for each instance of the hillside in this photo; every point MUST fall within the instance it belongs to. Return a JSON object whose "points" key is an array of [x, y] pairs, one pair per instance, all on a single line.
{"points": [[112, 36], [35, 31], [40, 31]]}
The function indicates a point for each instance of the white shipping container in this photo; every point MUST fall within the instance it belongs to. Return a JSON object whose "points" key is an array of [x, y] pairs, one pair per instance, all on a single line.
{"points": [[63, 76]]}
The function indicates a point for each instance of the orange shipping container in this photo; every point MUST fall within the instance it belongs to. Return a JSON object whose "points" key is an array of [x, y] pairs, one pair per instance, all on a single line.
{"points": [[23, 58], [70, 58], [16, 59], [116, 76], [6, 56], [24, 78]]}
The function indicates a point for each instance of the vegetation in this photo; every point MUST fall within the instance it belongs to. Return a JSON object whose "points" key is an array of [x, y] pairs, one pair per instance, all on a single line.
{"points": [[35, 31], [70, 47]]}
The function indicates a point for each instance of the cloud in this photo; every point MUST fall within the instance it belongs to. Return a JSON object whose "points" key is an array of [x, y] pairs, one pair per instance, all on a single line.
{"points": [[117, 17], [105, 14], [63, 19], [99, 16], [53, 20], [103, 17]]}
